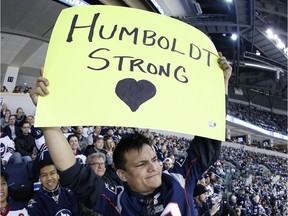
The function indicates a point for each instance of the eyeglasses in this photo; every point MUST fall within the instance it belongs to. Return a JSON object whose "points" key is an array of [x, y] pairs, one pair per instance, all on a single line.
{"points": [[98, 164]]}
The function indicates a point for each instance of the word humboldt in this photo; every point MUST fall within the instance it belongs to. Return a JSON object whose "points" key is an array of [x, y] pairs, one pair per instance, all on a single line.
{"points": [[144, 37]]}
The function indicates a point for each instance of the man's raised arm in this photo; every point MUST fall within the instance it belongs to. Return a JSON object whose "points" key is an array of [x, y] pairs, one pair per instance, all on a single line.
{"points": [[59, 149]]}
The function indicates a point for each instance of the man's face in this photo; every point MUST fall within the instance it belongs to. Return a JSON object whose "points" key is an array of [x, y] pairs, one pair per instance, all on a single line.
{"points": [[203, 197], [3, 189], [207, 180], [30, 119], [212, 176], [49, 177], [12, 120], [167, 165], [110, 132], [97, 130], [99, 144], [98, 166], [79, 130], [143, 172], [20, 113], [25, 128], [110, 143], [73, 142]]}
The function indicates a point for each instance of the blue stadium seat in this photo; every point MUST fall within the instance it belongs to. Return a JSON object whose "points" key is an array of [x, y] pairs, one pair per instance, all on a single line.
{"points": [[19, 183]]}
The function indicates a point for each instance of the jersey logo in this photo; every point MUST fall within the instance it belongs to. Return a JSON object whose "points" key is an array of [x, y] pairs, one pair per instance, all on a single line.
{"points": [[111, 188], [63, 212], [181, 161], [31, 202], [2, 149]]}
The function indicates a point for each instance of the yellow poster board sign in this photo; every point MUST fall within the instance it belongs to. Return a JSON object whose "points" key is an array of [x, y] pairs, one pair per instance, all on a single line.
{"points": [[118, 66]]}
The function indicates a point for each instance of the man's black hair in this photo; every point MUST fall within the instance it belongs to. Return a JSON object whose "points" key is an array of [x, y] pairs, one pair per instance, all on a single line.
{"points": [[129, 142]]}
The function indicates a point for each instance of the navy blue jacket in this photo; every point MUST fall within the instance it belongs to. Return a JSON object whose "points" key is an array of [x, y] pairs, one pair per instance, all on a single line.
{"points": [[173, 197], [45, 204]]}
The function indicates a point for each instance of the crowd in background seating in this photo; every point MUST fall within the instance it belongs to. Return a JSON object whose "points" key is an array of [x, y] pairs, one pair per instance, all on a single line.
{"points": [[250, 175], [17, 89], [249, 182], [255, 115]]}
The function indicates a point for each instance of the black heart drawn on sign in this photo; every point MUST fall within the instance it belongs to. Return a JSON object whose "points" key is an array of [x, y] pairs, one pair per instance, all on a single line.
{"points": [[135, 93]]}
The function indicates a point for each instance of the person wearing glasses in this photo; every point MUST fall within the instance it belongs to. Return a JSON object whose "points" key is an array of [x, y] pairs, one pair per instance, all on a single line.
{"points": [[97, 162]]}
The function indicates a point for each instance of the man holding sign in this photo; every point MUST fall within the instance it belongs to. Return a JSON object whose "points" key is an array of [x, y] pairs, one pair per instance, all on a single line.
{"points": [[148, 190]]}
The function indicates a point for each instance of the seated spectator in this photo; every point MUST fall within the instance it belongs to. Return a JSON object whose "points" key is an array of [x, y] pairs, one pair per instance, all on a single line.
{"points": [[27, 89], [4, 89], [73, 142], [256, 208], [17, 89], [210, 182], [110, 133], [200, 195], [66, 131], [97, 162], [98, 144], [25, 144], [109, 145], [11, 129], [233, 201], [8, 150], [83, 141], [5, 118], [96, 132], [35, 132], [8, 206], [20, 116], [51, 198], [162, 152], [167, 164], [4, 107]]}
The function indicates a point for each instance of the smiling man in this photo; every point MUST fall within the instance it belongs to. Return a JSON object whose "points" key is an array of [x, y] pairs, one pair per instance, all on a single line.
{"points": [[147, 191], [51, 199]]}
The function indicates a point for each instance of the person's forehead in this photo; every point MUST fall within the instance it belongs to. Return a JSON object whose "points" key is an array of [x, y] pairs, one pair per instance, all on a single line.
{"points": [[47, 169], [98, 159], [3, 179], [146, 153], [99, 140]]}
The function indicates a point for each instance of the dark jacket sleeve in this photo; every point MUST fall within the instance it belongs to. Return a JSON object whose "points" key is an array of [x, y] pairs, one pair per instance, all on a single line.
{"points": [[84, 183]]}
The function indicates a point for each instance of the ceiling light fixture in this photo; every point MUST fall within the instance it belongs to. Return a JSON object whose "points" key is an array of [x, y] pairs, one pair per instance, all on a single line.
{"points": [[277, 41], [234, 37]]}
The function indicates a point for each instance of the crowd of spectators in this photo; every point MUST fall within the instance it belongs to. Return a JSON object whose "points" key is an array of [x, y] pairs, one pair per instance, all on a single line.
{"points": [[250, 176], [257, 116], [244, 182], [17, 89]]}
